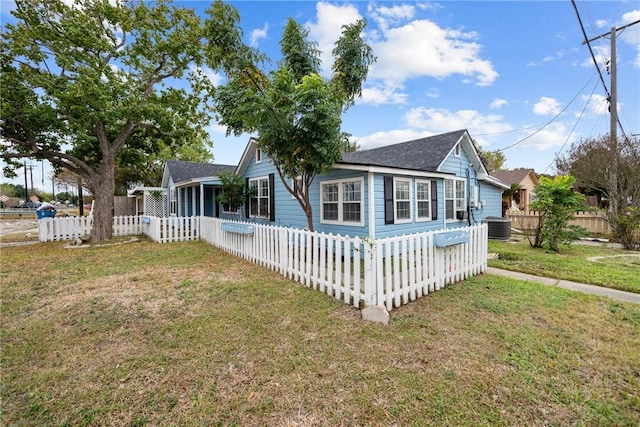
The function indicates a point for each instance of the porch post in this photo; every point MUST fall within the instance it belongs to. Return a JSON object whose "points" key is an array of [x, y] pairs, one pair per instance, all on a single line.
{"points": [[201, 213]]}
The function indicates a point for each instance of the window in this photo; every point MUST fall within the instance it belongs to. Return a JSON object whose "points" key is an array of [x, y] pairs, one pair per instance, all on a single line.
{"points": [[423, 200], [341, 202], [454, 199], [259, 202], [226, 208], [299, 183], [258, 155], [456, 150], [402, 200], [173, 201]]}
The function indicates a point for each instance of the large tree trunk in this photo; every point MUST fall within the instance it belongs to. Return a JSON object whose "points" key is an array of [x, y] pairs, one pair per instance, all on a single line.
{"points": [[104, 189]]}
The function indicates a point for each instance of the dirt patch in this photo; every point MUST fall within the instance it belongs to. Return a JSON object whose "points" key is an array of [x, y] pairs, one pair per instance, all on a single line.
{"points": [[145, 293]]}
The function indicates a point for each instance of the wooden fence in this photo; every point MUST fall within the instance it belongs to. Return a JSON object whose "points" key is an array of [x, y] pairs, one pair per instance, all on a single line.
{"points": [[595, 222], [361, 272]]}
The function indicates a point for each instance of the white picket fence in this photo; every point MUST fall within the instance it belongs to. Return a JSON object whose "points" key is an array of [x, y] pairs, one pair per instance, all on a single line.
{"points": [[360, 272], [171, 229], [70, 228]]}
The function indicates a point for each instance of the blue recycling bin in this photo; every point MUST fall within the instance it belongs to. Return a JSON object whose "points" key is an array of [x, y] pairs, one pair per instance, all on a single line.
{"points": [[46, 210]]}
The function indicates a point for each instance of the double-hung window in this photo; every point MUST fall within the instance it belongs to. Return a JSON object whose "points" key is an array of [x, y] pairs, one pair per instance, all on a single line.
{"points": [[454, 199], [402, 200], [342, 202], [173, 201], [423, 200], [259, 202]]}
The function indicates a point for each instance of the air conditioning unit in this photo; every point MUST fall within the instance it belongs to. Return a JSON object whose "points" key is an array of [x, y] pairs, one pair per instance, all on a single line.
{"points": [[460, 215]]}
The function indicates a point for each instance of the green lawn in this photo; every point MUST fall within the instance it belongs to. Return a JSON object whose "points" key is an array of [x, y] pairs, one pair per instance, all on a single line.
{"points": [[597, 265], [184, 334]]}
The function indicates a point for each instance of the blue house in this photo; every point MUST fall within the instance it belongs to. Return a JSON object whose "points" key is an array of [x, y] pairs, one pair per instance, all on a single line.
{"points": [[421, 185], [192, 187]]}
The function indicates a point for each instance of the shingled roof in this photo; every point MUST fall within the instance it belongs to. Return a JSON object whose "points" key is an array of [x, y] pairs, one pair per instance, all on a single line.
{"points": [[182, 171], [424, 154], [514, 176]]}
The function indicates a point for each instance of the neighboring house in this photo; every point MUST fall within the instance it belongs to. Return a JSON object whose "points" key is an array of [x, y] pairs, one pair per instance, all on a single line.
{"points": [[426, 184], [527, 179]]}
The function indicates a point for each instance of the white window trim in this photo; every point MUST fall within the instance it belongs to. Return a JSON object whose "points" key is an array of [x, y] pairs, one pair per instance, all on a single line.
{"points": [[258, 155], [173, 201], [293, 183], [258, 179], [427, 182], [397, 220], [456, 150], [341, 202], [464, 199]]}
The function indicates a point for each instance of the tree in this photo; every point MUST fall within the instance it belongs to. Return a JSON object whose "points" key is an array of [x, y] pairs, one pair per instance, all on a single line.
{"points": [[84, 84], [492, 160], [295, 111], [591, 162], [234, 191], [557, 204]]}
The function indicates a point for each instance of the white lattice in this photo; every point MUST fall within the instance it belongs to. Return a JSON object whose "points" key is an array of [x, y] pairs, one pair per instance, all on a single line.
{"points": [[155, 204]]}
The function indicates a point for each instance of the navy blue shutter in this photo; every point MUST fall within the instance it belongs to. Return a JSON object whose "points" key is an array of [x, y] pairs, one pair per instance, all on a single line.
{"points": [[272, 197], [388, 200], [434, 200], [247, 201]]}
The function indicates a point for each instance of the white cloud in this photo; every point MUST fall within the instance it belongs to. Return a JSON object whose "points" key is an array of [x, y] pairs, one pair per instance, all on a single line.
{"points": [[600, 23], [602, 53], [214, 77], [433, 92], [631, 35], [559, 55], [498, 103], [546, 106], [443, 120], [385, 93], [404, 49], [422, 48], [380, 139], [258, 34], [385, 16], [554, 135], [597, 104], [328, 28]]}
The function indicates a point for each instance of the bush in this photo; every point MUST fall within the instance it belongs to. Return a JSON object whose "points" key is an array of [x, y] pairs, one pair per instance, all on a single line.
{"points": [[626, 227]]}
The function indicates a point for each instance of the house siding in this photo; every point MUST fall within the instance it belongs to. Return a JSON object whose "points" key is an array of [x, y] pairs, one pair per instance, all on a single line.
{"points": [[286, 211], [290, 214]]}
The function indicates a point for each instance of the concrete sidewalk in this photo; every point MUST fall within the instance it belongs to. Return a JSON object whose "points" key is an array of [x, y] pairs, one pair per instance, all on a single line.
{"points": [[567, 284]]}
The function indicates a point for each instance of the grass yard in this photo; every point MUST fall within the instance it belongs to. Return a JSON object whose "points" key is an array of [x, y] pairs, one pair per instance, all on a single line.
{"points": [[184, 334], [597, 265]]}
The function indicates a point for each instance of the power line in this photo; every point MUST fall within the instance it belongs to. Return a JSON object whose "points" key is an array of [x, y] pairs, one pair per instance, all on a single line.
{"points": [[550, 121], [587, 42], [572, 129]]}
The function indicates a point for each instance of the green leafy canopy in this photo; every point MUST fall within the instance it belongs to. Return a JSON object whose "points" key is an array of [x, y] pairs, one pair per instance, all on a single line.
{"points": [[295, 111]]}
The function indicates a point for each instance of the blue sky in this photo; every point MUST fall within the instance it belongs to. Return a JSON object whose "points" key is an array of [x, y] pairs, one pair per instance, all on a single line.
{"points": [[514, 73]]}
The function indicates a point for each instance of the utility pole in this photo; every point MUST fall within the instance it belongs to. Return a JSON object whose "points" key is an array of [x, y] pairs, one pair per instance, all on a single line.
{"points": [[26, 186], [613, 112]]}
